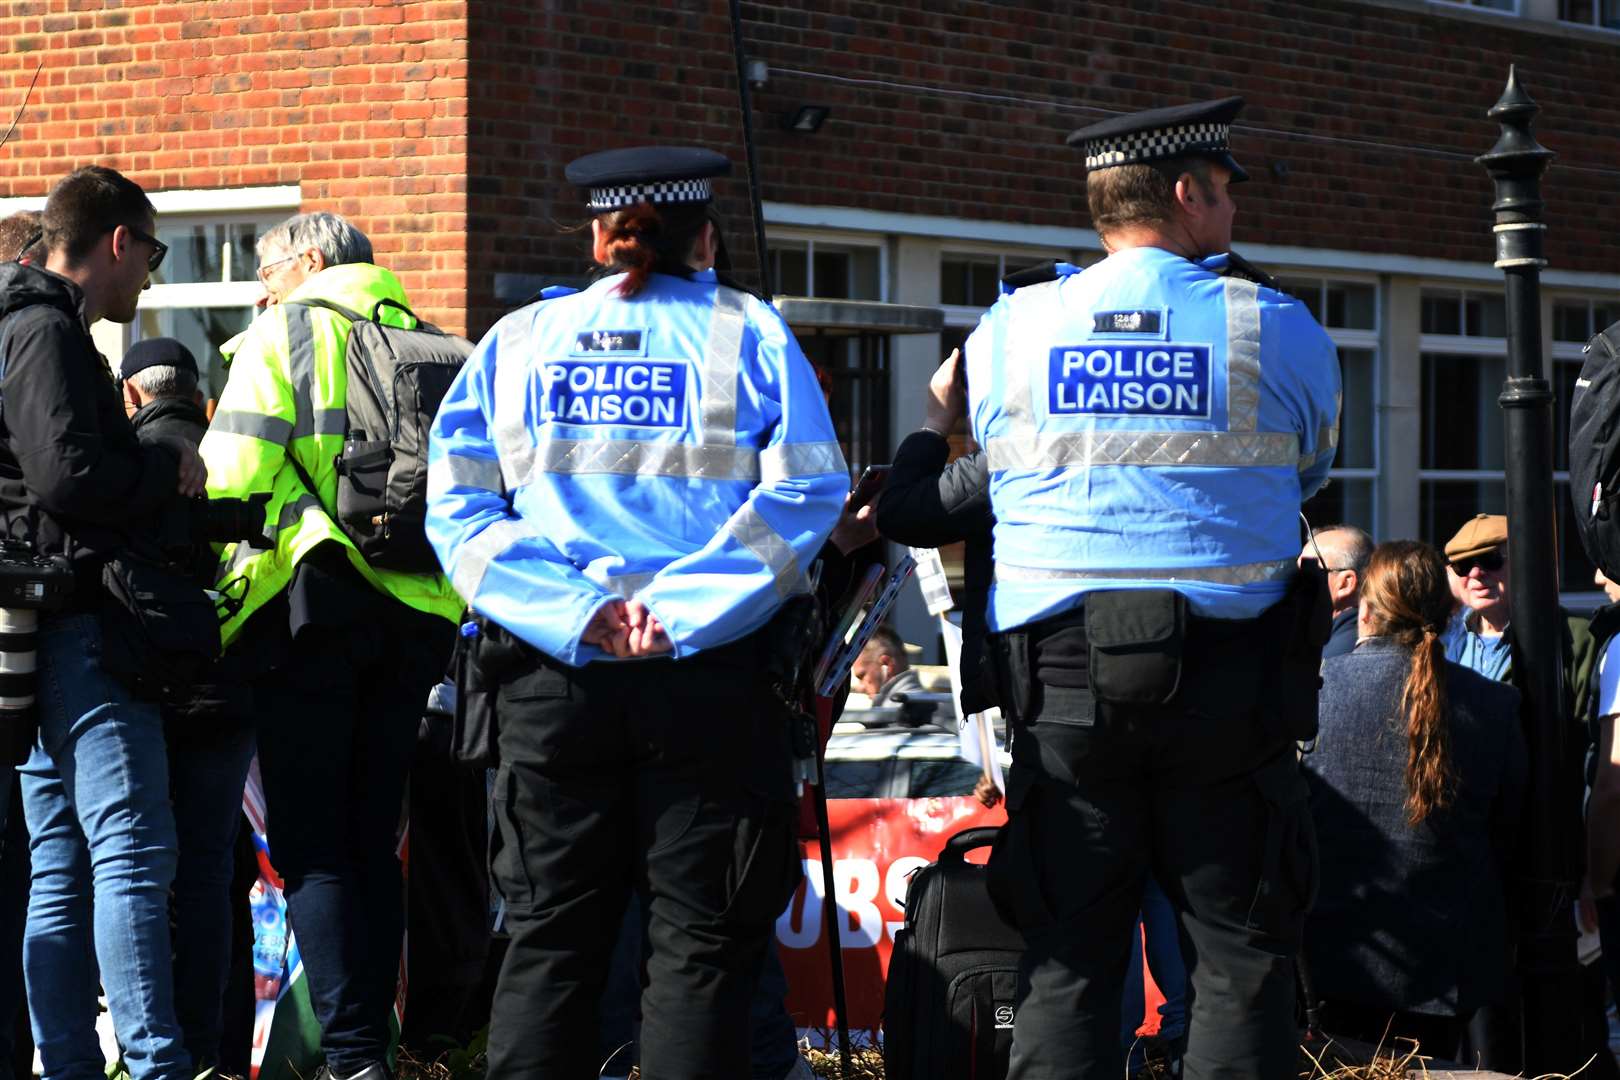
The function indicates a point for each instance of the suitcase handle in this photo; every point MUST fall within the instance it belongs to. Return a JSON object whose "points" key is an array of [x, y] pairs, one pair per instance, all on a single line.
{"points": [[957, 847]]}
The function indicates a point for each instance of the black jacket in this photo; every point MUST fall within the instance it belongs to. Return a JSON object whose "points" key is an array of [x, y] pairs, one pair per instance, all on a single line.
{"points": [[927, 504], [73, 477], [163, 417]]}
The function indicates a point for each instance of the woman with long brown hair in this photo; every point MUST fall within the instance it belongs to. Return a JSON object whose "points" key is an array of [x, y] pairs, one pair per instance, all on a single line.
{"points": [[1416, 780]]}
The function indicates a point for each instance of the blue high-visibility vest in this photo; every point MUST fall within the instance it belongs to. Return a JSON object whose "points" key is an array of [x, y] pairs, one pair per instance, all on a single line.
{"points": [[674, 447], [1149, 423]]}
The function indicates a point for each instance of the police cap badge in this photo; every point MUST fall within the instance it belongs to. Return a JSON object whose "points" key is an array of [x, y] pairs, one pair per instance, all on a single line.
{"points": [[651, 174], [1142, 138]]}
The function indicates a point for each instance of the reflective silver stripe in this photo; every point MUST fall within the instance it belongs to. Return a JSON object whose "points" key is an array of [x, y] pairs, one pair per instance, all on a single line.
{"points": [[320, 422], [292, 513], [632, 457], [720, 361], [271, 429], [1247, 574], [472, 561], [513, 443], [301, 370], [755, 533], [1017, 403], [800, 459], [240, 556], [1242, 355], [627, 585], [1207, 449], [457, 470]]}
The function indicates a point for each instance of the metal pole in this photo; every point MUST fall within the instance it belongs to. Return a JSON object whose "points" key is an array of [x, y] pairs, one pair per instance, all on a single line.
{"points": [[745, 103], [1548, 968]]}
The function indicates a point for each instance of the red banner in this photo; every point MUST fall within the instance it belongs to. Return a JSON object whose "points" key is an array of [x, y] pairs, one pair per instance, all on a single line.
{"points": [[877, 843]]}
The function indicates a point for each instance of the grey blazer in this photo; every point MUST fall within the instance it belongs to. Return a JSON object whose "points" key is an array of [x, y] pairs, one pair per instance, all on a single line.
{"points": [[1411, 919]]}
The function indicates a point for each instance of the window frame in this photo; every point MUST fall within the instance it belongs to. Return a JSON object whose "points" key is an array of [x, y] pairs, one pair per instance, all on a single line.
{"points": [[1370, 341], [834, 238], [960, 315]]}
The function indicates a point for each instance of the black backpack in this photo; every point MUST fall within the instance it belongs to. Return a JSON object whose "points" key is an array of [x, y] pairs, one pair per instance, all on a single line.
{"points": [[1594, 452], [948, 1004], [397, 378]]}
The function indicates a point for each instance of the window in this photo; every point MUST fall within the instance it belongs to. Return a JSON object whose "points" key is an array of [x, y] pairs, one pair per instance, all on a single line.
{"points": [[204, 292], [1510, 7], [1464, 358], [1348, 310], [856, 368], [828, 269], [1604, 13]]}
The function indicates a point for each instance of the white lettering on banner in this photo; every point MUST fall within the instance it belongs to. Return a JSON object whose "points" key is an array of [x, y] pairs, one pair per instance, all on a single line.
{"points": [[632, 393], [855, 882]]}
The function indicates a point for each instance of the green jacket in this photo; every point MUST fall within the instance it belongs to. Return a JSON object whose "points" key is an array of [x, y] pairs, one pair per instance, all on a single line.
{"points": [[285, 399]]}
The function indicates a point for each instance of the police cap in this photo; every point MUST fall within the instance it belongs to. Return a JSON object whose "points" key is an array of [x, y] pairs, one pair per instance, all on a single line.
{"points": [[615, 179], [1142, 138]]}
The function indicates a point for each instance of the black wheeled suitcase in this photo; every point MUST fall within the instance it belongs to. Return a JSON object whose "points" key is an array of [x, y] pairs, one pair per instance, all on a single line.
{"points": [[953, 974]]}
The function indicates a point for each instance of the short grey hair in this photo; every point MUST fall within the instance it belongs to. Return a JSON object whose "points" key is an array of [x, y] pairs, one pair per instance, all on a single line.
{"points": [[164, 380], [338, 241], [1347, 547]]}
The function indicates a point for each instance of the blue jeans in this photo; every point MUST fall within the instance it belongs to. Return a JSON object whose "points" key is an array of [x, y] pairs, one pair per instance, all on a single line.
{"points": [[1158, 924], [96, 796], [208, 765]]}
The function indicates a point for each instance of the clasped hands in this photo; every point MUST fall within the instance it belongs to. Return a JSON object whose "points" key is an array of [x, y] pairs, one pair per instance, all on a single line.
{"points": [[627, 630]]}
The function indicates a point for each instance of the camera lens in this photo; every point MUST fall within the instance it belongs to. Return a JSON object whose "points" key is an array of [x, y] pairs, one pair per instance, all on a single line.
{"points": [[18, 643]]}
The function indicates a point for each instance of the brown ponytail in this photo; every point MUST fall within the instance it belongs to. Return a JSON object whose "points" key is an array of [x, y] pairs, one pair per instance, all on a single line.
{"points": [[1408, 598], [641, 239]]}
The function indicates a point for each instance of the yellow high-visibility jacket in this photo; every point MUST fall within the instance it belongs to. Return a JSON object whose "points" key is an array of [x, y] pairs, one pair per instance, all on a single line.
{"points": [[285, 396]]}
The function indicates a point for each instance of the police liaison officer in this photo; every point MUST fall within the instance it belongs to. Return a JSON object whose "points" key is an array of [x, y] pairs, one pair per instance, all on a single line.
{"points": [[631, 480], [1153, 424]]}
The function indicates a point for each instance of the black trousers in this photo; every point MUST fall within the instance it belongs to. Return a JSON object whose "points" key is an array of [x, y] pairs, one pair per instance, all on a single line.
{"points": [[668, 777], [1204, 793], [337, 721]]}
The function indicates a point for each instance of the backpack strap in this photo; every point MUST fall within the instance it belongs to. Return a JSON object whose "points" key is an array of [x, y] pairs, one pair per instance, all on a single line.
{"points": [[347, 313]]}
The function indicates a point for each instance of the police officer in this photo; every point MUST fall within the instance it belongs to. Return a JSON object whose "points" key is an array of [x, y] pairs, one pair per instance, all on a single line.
{"points": [[631, 480], [1152, 425]]}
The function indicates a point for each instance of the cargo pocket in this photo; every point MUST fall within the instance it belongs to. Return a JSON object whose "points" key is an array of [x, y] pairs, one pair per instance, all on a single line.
{"points": [[507, 867], [1288, 869], [765, 868], [1012, 877]]}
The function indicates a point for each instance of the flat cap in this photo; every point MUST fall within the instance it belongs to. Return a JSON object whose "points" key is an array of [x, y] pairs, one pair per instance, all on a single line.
{"points": [[157, 352], [1202, 129], [1483, 533], [615, 179]]}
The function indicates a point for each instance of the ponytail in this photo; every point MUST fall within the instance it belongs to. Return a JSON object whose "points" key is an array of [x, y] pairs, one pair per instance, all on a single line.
{"points": [[1423, 703], [642, 239]]}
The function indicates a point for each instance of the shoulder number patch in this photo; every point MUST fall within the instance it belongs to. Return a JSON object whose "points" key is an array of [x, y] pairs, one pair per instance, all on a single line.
{"points": [[1128, 322]]}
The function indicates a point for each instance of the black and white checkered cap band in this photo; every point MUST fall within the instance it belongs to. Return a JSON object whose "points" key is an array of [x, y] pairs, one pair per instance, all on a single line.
{"points": [[1140, 146], [664, 191]]}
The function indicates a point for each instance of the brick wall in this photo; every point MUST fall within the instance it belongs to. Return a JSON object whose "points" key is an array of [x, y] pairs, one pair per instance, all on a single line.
{"points": [[1372, 113], [362, 104]]}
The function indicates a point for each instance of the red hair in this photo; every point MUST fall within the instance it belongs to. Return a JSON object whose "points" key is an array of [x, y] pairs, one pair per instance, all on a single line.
{"points": [[641, 239]]}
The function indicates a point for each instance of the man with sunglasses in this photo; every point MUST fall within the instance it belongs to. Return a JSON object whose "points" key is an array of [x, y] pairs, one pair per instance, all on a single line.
{"points": [[1476, 561], [75, 482]]}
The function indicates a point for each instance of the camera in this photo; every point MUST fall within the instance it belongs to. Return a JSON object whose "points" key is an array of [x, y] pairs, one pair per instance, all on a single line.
{"points": [[29, 584], [187, 523]]}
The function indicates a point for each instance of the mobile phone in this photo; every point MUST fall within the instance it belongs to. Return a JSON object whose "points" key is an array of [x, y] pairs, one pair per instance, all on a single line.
{"points": [[867, 487]]}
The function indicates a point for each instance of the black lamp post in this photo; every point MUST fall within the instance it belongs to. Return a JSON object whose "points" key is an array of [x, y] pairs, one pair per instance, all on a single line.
{"points": [[1548, 967]]}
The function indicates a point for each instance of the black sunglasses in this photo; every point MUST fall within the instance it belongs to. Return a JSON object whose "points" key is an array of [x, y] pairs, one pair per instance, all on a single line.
{"points": [[159, 248], [1490, 562]]}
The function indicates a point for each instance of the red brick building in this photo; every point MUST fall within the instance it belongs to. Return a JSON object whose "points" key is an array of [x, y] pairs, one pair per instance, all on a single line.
{"points": [[441, 128]]}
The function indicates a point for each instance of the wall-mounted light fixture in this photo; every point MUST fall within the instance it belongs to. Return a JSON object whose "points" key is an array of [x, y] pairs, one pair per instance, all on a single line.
{"points": [[807, 119]]}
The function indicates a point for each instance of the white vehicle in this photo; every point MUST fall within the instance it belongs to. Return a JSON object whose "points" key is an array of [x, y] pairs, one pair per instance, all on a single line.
{"points": [[896, 762]]}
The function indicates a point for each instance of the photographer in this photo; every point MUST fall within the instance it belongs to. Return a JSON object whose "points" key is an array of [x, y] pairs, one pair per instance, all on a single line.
{"points": [[75, 483], [210, 739]]}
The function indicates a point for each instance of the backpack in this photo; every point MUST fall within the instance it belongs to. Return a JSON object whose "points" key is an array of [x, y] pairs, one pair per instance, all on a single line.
{"points": [[1594, 452], [953, 975], [397, 379]]}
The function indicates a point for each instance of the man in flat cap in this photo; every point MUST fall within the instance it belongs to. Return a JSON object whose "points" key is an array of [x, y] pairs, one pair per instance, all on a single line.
{"points": [[1153, 424]]}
